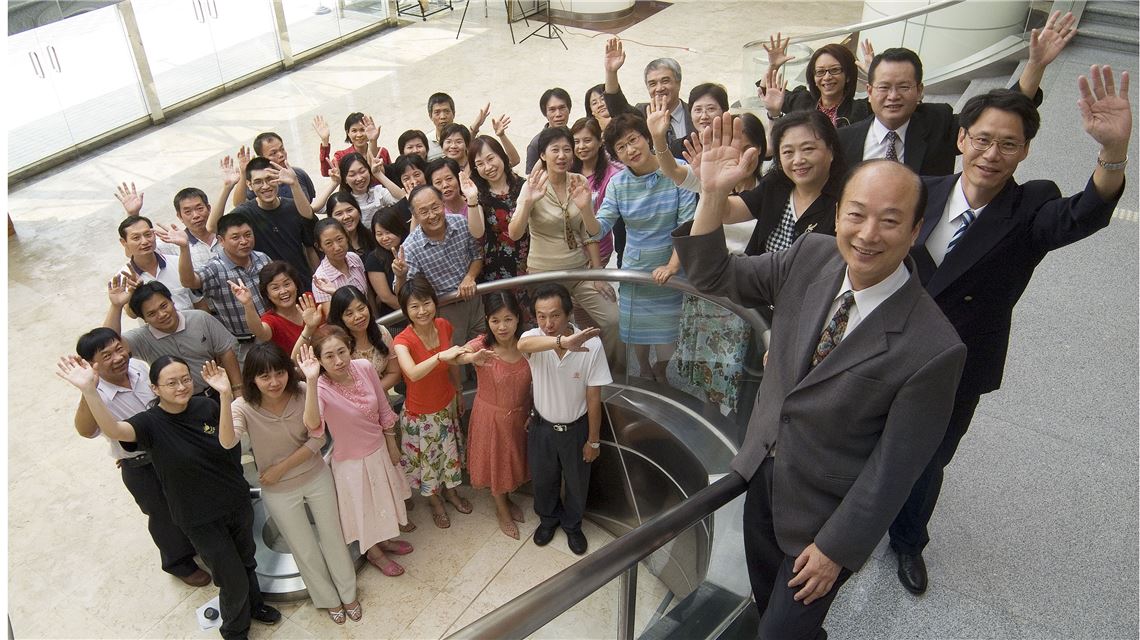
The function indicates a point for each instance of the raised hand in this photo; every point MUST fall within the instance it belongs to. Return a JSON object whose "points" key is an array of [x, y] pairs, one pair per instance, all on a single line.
{"points": [[467, 186], [400, 265], [500, 124], [216, 377], [868, 55], [284, 175], [131, 199], [777, 49], [692, 153], [244, 155], [580, 191], [483, 357], [172, 233], [120, 287], [371, 129], [614, 56], [311, 313], [322, 129], [577, 341], [324, 285], [77, 373], [241, 292], [308, 364], [536, 183], [1047, 43], [334, 175], [480, 118], [723, 163], [1106, 114], [772, 92], [376, 164], [230, 175], [657, 117]]}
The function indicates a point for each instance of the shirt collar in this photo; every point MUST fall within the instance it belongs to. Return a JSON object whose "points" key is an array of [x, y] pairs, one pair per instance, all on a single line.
{"points": [[957, 204], [678, 114], [139, 270], [181, 327], [867, 299], [879, 130], [109, 389]]}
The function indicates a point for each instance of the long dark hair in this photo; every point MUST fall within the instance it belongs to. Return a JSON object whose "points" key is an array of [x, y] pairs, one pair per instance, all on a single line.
{"points": [[272, 270], [266, 357], [475, 148], [602, 162], [364, 238], [346, 162], [343, 297], [392, 220], [495, 302], [823, 129]]}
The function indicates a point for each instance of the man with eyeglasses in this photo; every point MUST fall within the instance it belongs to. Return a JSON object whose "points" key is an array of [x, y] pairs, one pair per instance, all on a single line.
{"points": [[923, 135], [983, 236]]}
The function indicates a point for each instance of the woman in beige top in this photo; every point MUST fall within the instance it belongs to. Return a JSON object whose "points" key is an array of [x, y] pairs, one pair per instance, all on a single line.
{"points": [[279, 412], [551, 205]]}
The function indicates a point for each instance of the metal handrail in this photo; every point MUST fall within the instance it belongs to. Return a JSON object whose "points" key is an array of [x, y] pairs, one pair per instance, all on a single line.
{"points": [[528, 612], [870, 24]]}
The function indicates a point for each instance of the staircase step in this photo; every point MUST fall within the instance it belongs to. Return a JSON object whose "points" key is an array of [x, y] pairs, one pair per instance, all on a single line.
{"points": [[1108, 37], [1123, 14]]}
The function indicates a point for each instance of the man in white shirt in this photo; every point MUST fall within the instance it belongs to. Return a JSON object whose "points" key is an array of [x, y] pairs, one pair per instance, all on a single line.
{"points": [[568, 370]]}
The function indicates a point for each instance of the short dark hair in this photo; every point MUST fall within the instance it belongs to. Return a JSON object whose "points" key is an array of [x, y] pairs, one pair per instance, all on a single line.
{"points": [[338, 304], [622, 125], [550, 134], [95, 341], [355, 117], [420, 189], [256, 164], [819, 125], [1007, 100], [271, 271], [131, 221], [713, 90], [440, 98], [846, 60], [493, 303], [327, 332], [420, 288], [145, 292], [262, 138], [920, 206], [161, 363], [553, 290], [408, 136], [233, 219], [400, 165], [266, 357], [453, 129], [896, 54], [438, 164], [189, 193], [664, 63], [599, 89], [556, 92]]}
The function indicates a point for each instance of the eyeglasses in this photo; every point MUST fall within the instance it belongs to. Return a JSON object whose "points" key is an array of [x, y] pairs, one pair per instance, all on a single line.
{"points": [[178, 384], [983, 143], [833, 71], [886, 89]]}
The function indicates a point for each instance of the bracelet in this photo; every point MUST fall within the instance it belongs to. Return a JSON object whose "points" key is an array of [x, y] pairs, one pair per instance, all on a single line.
{"points": [[391, 431], [1112, 166], [594, 445], [666, 152], [558, 341], [306, 338]]}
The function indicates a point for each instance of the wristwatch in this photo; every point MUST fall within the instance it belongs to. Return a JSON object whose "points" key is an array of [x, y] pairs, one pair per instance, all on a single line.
{"points": [[1112, 166], [595, 445]]}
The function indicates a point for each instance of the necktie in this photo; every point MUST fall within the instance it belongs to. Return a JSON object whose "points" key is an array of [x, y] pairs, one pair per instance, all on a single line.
{"points": [[967, 218], [890, 138], [833, 333]]}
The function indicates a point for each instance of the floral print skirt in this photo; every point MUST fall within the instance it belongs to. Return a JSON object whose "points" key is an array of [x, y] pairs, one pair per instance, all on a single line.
{"points": [[710, 353], [430, 450]]}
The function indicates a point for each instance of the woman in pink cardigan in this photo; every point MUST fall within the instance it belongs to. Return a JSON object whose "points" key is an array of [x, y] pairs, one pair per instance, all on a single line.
{"points": [[370, 488]]}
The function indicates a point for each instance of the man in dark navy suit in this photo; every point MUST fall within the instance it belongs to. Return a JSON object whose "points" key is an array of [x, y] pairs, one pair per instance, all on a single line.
{"points": [[983, 236]]}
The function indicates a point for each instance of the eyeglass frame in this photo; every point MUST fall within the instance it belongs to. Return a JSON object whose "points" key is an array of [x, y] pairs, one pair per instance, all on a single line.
{"points": [[180, 383], [834, 72], [1017, 146], [886, 89]]}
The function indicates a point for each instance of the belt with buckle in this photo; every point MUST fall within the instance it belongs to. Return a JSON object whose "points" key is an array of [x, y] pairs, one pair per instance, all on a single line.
{"points": [[560, 427]]}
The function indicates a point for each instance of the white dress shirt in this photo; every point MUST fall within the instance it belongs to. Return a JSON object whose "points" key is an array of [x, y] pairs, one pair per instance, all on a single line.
{"points": [[939, 238], [866, 300], [876, 147]]}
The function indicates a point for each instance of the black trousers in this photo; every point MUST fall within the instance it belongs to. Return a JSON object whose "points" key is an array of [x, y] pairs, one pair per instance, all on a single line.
{"points": [[226, 546], [909, 532], [174, 547], [770, 569], [555, 458]]}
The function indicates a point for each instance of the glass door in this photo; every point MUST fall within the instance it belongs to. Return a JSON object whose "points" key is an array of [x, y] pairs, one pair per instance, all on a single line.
{"points": [[312, 23], [243, 35], [179, 48]]}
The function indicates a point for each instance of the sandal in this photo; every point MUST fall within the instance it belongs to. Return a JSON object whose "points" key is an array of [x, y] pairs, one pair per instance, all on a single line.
{"points": [[509, 528], [396, 547], [516, 512], [337, 615], [441, 520], [461, 504], [390, 569], [354, 613], [408, 528]]}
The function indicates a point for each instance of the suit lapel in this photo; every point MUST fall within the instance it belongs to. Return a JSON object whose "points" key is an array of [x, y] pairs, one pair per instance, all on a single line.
{"points": [[939, 194], [853, 142], [915, 145], [817, 299], [994, 223]]}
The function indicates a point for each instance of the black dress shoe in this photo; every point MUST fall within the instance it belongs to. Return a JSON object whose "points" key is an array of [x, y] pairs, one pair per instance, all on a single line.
{"points": [[266, 614], [576, 540], [543, 535], [912, 573]]}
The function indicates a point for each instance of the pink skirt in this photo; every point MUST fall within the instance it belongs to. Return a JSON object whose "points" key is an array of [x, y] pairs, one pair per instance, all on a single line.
{"points": [[370, 493]]}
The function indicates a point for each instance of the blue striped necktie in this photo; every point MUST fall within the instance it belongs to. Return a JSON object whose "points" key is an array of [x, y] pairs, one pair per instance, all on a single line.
{"points": [[967, 218]]}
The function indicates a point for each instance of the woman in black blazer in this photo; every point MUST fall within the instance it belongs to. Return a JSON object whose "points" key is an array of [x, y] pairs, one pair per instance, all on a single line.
{"points": [[831, 80]]}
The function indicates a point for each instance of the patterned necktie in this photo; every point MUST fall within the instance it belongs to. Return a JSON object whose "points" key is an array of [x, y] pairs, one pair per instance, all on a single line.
{"points": [[890, 139], [833, 333], [967, 218]]}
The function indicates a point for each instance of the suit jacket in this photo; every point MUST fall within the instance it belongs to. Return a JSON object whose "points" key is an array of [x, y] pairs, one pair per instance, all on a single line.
{"points": [[850, 111], [616, 104], [767, 202], [978, 284], [854, 433]]}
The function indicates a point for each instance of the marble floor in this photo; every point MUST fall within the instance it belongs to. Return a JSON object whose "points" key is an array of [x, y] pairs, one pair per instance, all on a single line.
{"points": [[80, 563]]}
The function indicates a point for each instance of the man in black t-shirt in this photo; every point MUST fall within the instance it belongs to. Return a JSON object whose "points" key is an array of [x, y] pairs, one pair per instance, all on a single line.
{"points": [[282, 227]]}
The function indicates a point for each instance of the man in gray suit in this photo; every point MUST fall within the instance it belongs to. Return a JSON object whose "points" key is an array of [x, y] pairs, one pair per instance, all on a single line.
{"points": [[859, 385]]}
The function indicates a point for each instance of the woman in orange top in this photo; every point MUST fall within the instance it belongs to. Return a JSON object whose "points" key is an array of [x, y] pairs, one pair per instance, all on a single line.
{"points": [[430, 419]]}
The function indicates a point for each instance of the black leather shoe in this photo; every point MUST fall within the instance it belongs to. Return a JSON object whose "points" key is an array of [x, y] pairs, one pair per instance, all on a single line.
{"points": [[543, 535], [576, 540], [912, 573], [266, 614]]}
